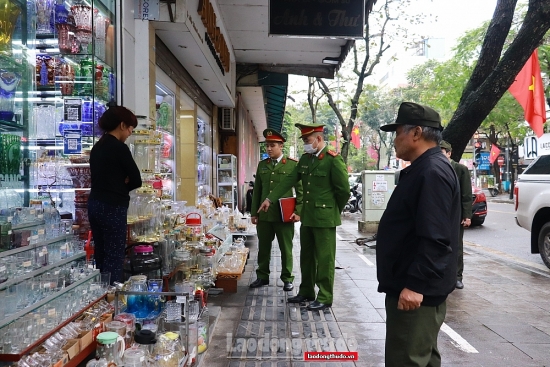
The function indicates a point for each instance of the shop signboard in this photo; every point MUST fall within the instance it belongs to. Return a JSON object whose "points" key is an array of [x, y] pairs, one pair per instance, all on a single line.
{"points": [[147, 9], [323, 18], [534, 147], [483, 163]]}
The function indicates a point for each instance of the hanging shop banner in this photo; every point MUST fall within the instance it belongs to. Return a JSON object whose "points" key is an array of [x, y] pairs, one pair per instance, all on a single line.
{"points": [[321, 18], [72, 109], [147, 9], [72, 142]]}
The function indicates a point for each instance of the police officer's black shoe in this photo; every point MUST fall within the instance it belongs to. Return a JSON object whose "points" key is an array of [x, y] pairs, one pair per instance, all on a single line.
{"points": [[298, 299], [459, 284], [317, 306], [288, 286], [259, 283]]}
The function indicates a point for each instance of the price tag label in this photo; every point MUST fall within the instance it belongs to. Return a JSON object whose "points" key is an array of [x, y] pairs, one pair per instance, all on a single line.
{"points": [[34, 237], [40, 216], [180, 299], [56, 272], [41, 231], [9, 232], [9, 219], [32, 212], [47, 285], [42, 321], [51, 312], [85, 291], [26, 264]]}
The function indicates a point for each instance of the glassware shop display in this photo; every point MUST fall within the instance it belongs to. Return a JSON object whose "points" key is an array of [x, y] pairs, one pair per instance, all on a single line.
{"points": [[57, 77], [24, 329], [165, 127], [167, 338], [204, 158], [227, 179]]}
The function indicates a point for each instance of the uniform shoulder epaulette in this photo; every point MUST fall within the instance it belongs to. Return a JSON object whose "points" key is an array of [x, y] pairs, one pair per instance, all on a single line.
{"points": [[293, 159], [332, 153]]}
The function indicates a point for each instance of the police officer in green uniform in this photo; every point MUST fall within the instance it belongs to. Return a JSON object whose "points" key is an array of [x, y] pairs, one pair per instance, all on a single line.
{"points": [[465, 182], [269, 224], [326, 190]]}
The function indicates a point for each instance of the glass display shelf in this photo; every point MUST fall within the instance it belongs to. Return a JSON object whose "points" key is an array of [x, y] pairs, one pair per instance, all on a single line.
{"points": [[9, 319], [17, 356], [31, 247], [43, 269]]}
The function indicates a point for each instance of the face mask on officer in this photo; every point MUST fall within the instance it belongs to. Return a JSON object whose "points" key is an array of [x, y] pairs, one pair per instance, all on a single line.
{"points": [[308, 148]]}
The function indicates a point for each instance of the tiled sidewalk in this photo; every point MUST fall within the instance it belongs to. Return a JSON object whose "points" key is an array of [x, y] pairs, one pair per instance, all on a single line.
{"points": [[257, 327]]}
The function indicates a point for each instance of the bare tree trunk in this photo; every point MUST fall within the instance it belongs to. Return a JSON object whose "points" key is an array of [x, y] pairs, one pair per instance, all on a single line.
{"points": [[493, 75], [310, 94]]}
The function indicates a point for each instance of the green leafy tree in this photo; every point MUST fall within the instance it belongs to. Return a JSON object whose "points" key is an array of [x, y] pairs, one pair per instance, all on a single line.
{"points": [[496, 67], [385, 24]]}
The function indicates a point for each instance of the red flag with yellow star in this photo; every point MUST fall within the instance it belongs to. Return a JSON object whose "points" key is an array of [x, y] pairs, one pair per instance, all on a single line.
{"points": [[355, 140], [495, 152], [529, 92]]}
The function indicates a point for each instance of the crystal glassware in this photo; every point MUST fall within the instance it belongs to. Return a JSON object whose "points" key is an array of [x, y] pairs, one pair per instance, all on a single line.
{"points": [[83, 19], [8, 84], [43, 14], [101, 23], [9, 12], [66, 79], [64, 31], [61, 12]]}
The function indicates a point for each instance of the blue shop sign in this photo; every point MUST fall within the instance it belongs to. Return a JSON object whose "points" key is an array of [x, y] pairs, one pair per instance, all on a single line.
{"points": [[484, 164], [72, 141]]}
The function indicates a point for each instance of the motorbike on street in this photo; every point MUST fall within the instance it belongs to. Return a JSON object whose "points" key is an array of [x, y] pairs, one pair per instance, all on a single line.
{"points": [[355, 202]]}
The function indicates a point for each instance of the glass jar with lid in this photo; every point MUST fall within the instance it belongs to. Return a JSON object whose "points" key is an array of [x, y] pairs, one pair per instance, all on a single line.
{"points": [[206, 260], [182, 265], [143, 261]]}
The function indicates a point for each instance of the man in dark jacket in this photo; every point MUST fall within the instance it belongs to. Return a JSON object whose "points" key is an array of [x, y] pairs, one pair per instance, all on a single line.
{"points": [[465, 204], [417, 240]]}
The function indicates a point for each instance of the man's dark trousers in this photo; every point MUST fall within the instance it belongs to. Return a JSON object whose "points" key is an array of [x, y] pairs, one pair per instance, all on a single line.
{"points": [[411, 336]]}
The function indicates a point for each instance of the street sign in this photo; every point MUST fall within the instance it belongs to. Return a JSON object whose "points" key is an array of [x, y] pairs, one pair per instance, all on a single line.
{"points": [[500, 161]]}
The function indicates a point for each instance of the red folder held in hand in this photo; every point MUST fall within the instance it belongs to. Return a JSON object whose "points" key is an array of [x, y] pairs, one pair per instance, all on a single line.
{"points": [[288, 205]]}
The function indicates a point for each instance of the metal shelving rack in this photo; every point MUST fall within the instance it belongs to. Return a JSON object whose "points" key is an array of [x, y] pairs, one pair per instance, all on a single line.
{"points": [[227, 179]]}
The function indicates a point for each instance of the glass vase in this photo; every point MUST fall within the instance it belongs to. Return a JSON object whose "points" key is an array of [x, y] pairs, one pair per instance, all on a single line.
{"points": [[9, 12], [83, 20], [61, 12], [8, 84], [101, 24], [44, 10], [66, 79], [64, 38]]}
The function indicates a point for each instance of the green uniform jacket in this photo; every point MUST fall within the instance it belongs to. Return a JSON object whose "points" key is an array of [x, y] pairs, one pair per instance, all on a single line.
{"points": [[326, 188], [465, 189], [267, 178]]}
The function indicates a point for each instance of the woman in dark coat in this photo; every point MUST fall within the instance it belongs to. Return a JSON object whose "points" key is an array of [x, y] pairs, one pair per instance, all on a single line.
{"points": [[114, 175]]}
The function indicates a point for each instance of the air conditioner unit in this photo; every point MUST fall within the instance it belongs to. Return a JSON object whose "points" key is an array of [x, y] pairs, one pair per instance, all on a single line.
{"points": [[228, 119]]}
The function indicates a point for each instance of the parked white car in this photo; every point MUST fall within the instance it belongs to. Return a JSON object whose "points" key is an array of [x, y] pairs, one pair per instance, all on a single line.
{"points": [[532, 192]]}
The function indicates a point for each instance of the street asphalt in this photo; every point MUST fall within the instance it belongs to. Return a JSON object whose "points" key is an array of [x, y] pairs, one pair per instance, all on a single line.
{"points": [[501, 317]]}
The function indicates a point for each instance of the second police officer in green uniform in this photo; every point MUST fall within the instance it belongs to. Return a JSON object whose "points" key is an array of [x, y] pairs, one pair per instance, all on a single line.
{"points": [[269, 173], [326, 190]]}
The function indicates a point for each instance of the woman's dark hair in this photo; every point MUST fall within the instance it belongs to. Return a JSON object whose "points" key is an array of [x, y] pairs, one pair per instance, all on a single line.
{"points": [[114, 116]]}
